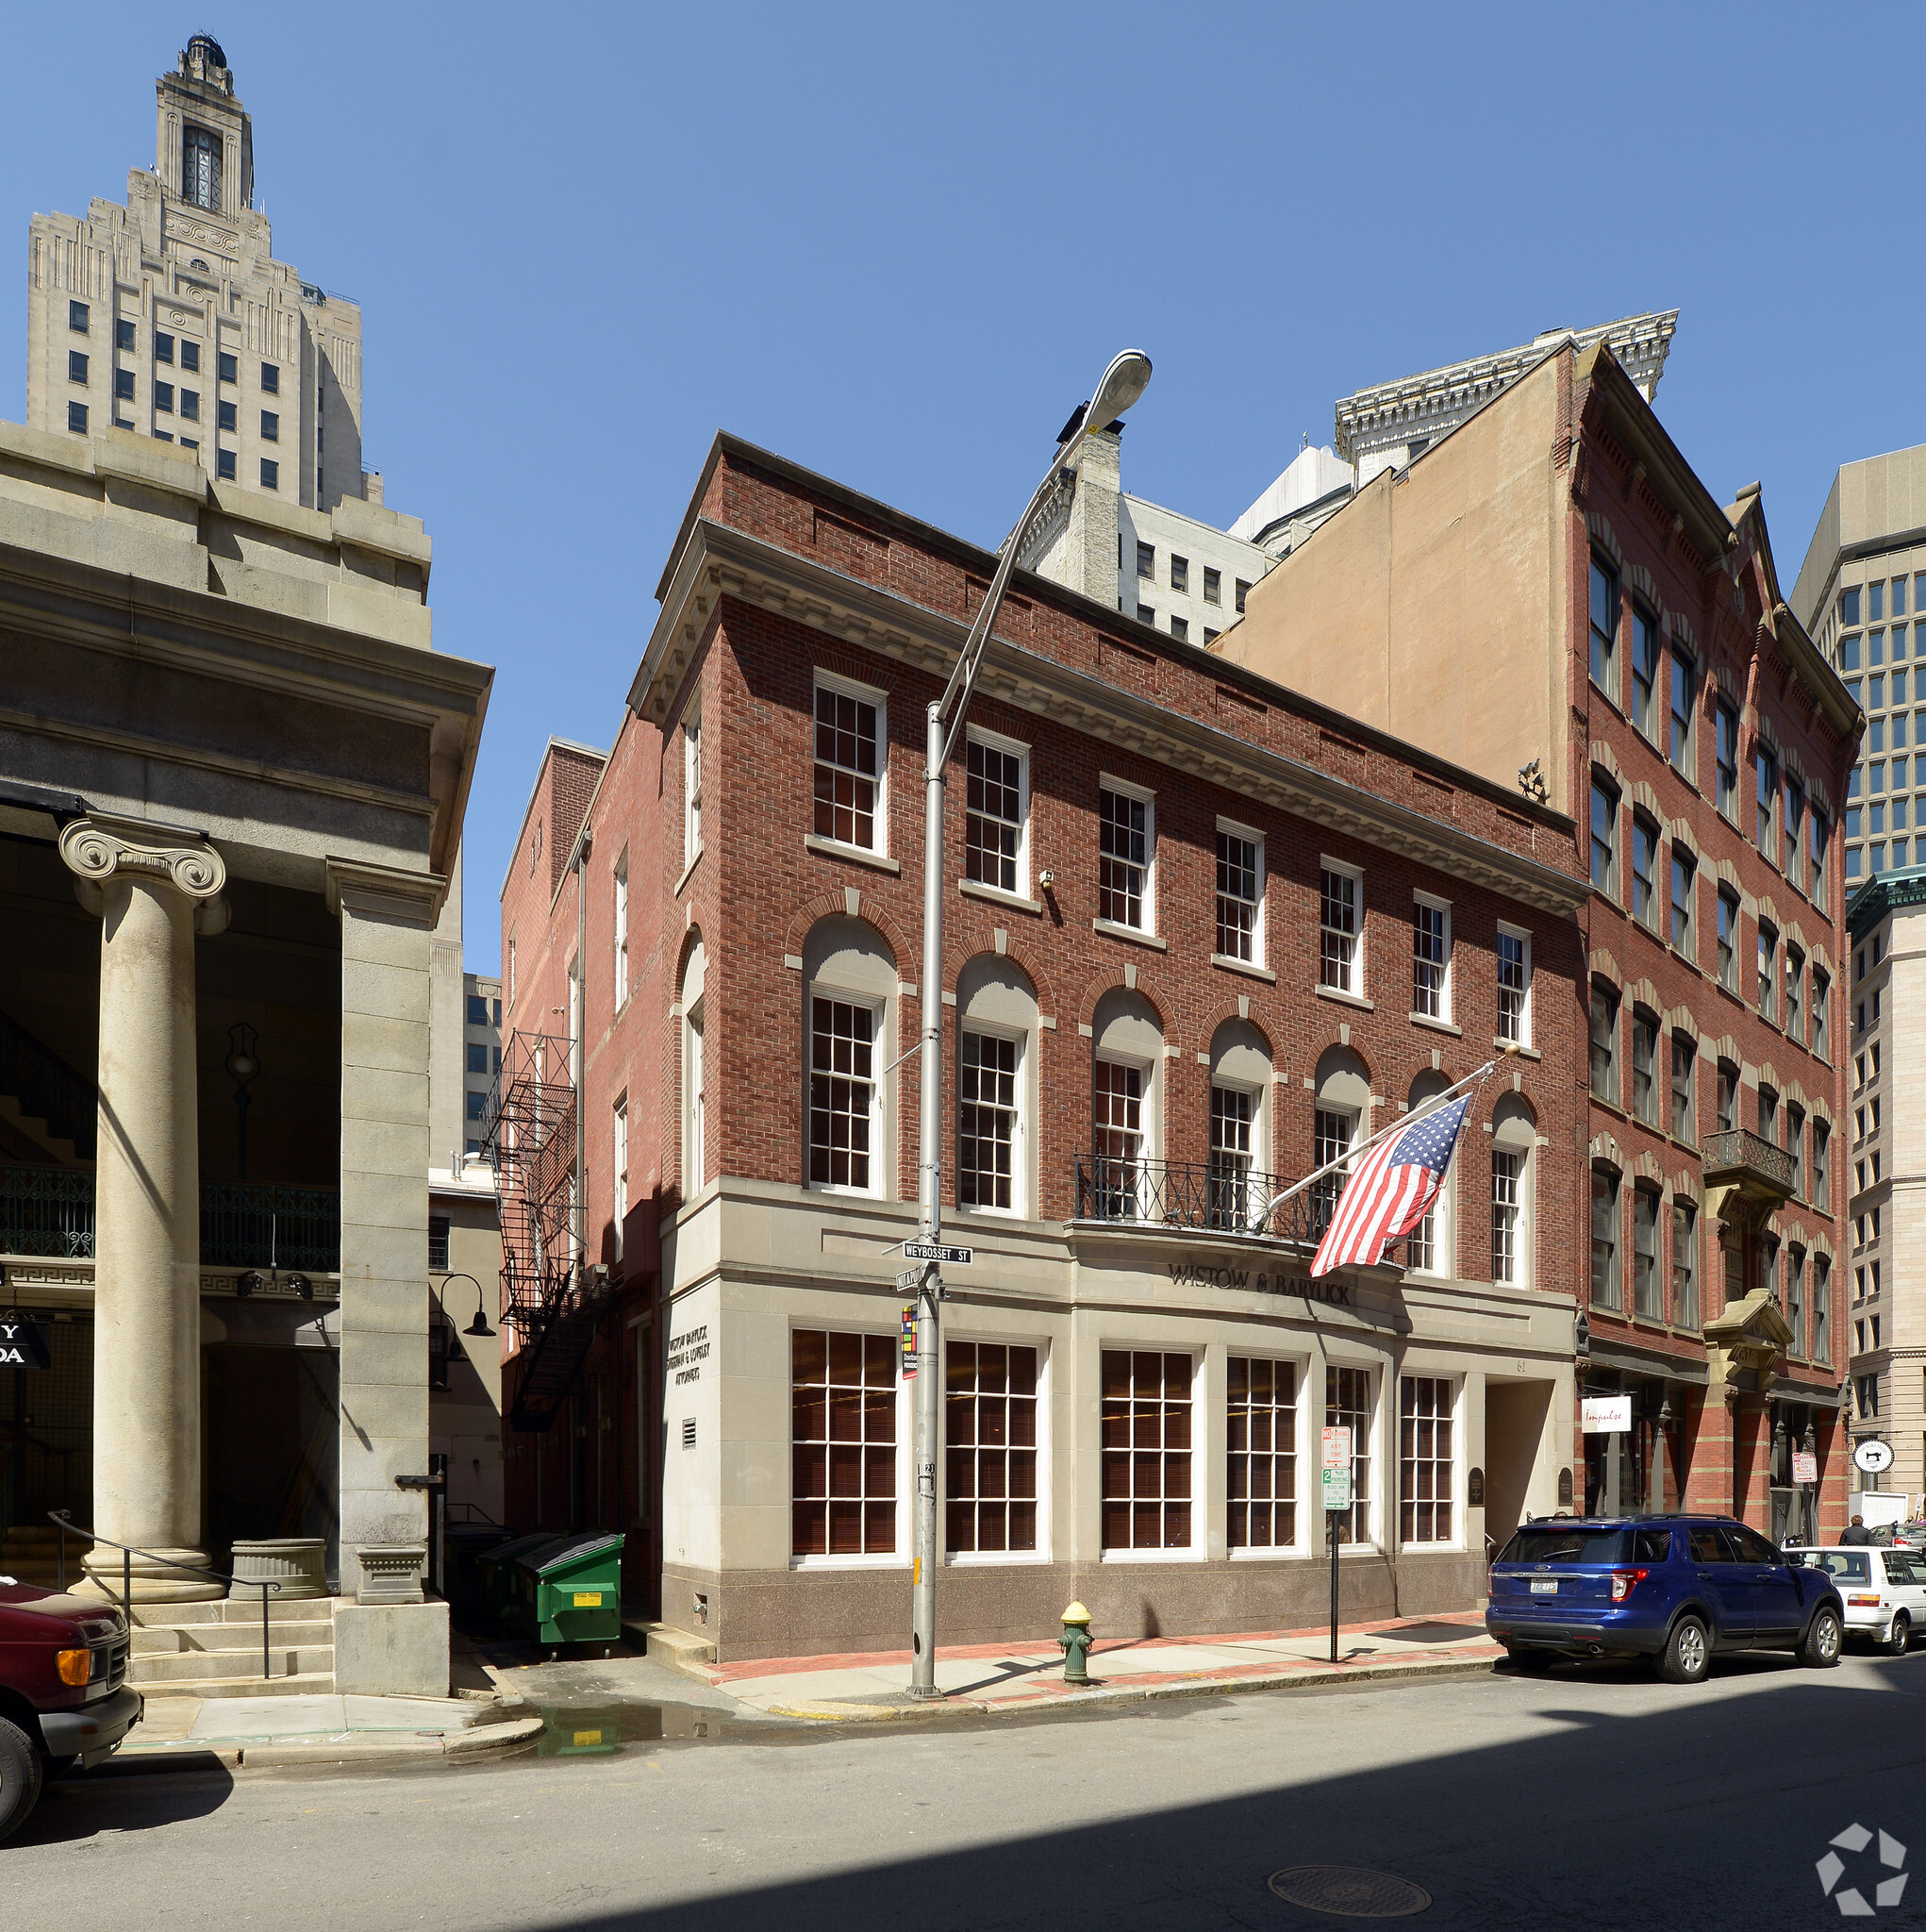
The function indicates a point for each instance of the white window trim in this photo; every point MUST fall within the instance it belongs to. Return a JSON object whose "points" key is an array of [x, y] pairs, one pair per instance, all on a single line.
{"points": [[1259, 940], [1380, 1372], [1108, 782], [1519, 932], [618, 1152], [692, 787], [1458, 1539], [1446, 976], [995, 740], [622, 960], [991, 1559], [1152, 1099], [903, 1555], [694, 1146], [1326, 863], [1308, 1545], [879, 1040], [868, 694], [1020, 1146]]}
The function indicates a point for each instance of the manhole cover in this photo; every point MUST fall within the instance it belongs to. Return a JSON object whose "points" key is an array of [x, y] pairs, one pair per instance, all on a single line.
{"points": [[1349, 1891]]}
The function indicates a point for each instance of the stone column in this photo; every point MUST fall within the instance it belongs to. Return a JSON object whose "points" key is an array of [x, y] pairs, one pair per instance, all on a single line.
{"points": [[387, 918], [153, 887]]}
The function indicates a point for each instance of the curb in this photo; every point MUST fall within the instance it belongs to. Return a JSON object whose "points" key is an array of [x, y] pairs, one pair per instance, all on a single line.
{"points": [[359, 1751], [829, 1711]]}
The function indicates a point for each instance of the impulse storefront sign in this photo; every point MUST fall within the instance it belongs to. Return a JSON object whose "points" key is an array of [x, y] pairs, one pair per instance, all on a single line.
{"points": [[1188, 1274], [24, 1344]]}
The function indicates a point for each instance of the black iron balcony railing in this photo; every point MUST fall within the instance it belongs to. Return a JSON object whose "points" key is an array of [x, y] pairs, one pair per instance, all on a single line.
{"points": [[1225, 1197], [1748, 1159], [49, 1211]]}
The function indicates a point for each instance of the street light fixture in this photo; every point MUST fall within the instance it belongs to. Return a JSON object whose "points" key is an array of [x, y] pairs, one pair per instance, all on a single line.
{"points": [[1121, 384], [480, 1325]]}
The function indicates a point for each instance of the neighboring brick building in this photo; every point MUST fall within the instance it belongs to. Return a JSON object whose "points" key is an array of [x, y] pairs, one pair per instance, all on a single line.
{"points": [[1200, 932], [1551, 593]]}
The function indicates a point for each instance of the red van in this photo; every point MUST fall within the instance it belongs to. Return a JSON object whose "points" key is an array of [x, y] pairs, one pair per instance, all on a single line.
{"points": [[64, 1700]]}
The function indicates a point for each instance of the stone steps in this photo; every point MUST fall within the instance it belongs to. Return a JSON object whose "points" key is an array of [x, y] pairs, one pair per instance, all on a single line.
{"points": [[174, 1639], [231, 1666], [305, 1683]]}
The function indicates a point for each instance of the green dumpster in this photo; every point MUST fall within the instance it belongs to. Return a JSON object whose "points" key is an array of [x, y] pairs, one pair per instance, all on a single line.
{"points": [[571, 1589], [499, 1576]]}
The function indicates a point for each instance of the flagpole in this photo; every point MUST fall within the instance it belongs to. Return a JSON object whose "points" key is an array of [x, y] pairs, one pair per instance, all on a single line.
{"points": [[1351, 1153]]}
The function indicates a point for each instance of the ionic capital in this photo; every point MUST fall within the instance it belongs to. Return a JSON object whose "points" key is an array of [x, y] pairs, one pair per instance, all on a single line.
{"points": [[100, 845]]}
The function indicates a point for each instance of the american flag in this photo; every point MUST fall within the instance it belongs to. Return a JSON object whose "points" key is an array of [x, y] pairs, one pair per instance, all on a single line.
{"points": [[1392, 1189]]}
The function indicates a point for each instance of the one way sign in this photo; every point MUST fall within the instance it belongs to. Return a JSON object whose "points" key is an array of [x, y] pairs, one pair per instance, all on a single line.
{"points": [[24, 1344]]}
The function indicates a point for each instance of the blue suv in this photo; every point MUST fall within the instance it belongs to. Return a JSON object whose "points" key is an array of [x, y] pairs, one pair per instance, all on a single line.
{"points": [[1675, 1589]]}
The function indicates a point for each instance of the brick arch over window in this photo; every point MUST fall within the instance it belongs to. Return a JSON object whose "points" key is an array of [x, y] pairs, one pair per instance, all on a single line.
{"points": [[1641, 992], [1795, 935], [1607, 1149], [1823, 960], [1794, 764], [1233, 1010], [1817, 792], [1820, 1109], [1641, 580], [1767, 1074], [1724, 681], [1684, 1185], [853, 904], [978, 936], [1764, 728], [1644, 797], [1647, 1168], [1725, 1048], [1126, 979], [1603, 966], [1768, 907], [1682, 835], [879, 673], [1680, 628], [1604, 761], [1599, 527], [1823, 1244]]}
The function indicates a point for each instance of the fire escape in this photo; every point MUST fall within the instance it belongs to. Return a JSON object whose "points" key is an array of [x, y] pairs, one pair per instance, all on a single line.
{"points": [[551, 1295]]}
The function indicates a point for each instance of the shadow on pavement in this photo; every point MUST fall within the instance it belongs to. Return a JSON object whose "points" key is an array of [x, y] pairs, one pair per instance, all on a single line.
{"points": [[81, 1810], [1709, 1811]]}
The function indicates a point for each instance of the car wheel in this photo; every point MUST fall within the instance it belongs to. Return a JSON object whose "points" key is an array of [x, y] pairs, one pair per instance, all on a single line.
{"points": [[1823, 1639], [1900, 1634], [20, 1777], [1688, 1653]]}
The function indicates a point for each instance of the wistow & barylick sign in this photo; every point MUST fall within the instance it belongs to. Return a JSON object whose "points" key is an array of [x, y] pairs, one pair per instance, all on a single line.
{"points": [[1188, 1274]]}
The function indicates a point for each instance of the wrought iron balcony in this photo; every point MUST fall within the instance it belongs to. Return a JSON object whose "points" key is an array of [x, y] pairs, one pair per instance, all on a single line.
{"points": [[49, 1211], [1747, 1161], [1223, 1197]]}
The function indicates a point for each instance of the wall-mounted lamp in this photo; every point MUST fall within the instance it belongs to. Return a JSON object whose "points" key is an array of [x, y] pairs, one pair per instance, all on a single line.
{"points": [[1046, 879], [480, 1325]]}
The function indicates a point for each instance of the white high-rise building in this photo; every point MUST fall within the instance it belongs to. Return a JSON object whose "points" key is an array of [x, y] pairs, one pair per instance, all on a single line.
{"points": [[171, 317]]}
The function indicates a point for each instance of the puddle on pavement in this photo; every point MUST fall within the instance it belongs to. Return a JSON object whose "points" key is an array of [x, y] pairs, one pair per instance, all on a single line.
{"points": [[600, 1730]]}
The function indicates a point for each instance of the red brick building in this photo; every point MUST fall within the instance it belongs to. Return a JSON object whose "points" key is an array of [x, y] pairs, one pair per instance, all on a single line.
{"points": [[1550, 592], [1202, 933]]}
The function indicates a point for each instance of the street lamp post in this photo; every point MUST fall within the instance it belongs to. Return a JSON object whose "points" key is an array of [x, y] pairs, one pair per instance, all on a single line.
{"points": [[1123, 382]]}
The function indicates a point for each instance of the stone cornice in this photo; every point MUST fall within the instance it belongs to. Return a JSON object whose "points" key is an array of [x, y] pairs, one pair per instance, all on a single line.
{"points": [[1898, 892], [717, 560], [385, 891]]}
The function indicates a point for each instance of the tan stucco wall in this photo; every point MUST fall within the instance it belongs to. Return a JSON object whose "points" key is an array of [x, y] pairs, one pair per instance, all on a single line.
{"points": [[1433, 604]]}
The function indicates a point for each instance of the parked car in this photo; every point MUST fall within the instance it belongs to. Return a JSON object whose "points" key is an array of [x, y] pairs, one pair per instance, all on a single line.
{"points": [[64, 1701], [1884, 1591], [1675, 1589]]}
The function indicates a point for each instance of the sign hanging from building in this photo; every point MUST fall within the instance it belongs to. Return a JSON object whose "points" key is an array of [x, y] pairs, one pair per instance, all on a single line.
{"points": [[26, 1344], [1873, 1455], [1805, 1466], [1605, 1415]]}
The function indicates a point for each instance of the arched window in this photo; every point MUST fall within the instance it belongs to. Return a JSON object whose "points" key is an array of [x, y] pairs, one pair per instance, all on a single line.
{"points": [[1342, 1118], [996, 1031], [1126, 1102], [1431, 1247], [849, 977], [694, 1077], [1239, 1125], [1514, 1177]]}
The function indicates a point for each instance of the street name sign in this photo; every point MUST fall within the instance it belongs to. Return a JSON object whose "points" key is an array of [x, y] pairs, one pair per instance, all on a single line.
{"points": [[910, 1278], [932, 1251]]}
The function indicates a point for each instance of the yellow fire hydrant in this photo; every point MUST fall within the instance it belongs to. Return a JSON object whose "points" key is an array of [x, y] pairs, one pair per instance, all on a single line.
{"points": [[1075, 1644]]}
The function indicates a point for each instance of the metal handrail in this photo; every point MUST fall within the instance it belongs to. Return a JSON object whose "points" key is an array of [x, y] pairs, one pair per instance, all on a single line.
{"points": [[63, 1520]]}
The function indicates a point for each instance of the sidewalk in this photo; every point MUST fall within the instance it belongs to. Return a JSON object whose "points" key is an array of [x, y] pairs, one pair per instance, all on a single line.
{"points": [[1007, 1678]]}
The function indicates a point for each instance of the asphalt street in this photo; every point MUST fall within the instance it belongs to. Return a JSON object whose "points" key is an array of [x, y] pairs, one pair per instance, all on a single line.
{"points": [[1594, 1798]]}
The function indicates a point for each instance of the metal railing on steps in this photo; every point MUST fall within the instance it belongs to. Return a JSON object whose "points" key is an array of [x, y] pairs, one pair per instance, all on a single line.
{"points": [[63, 1520]]}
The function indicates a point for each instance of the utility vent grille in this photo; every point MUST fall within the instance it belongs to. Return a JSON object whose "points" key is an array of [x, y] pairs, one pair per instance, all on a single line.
{"points": [[689, 1432]]}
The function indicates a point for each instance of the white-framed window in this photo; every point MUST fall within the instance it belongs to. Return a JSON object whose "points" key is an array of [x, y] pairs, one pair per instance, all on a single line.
{"points": [[1427, 1459], [843, 1036], [619, 1144], [1239, 1125], [698, 1098], [1261, 1452], [993, 1452], [851, 742], [1348, 1404], [1431, 957], [1118, 1139], [1340, 908], [691, 785], [1514, 1174], [996, 835], [1506, 1164], [1126, 855], [1148, 1451], [1514, 984], [622, 930], [1431, 1247], [1239, 892], [989, 1122], [844, 1446]]}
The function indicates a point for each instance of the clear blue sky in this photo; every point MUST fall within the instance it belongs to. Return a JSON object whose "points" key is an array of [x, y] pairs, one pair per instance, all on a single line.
{"points": [[895, 243]]}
